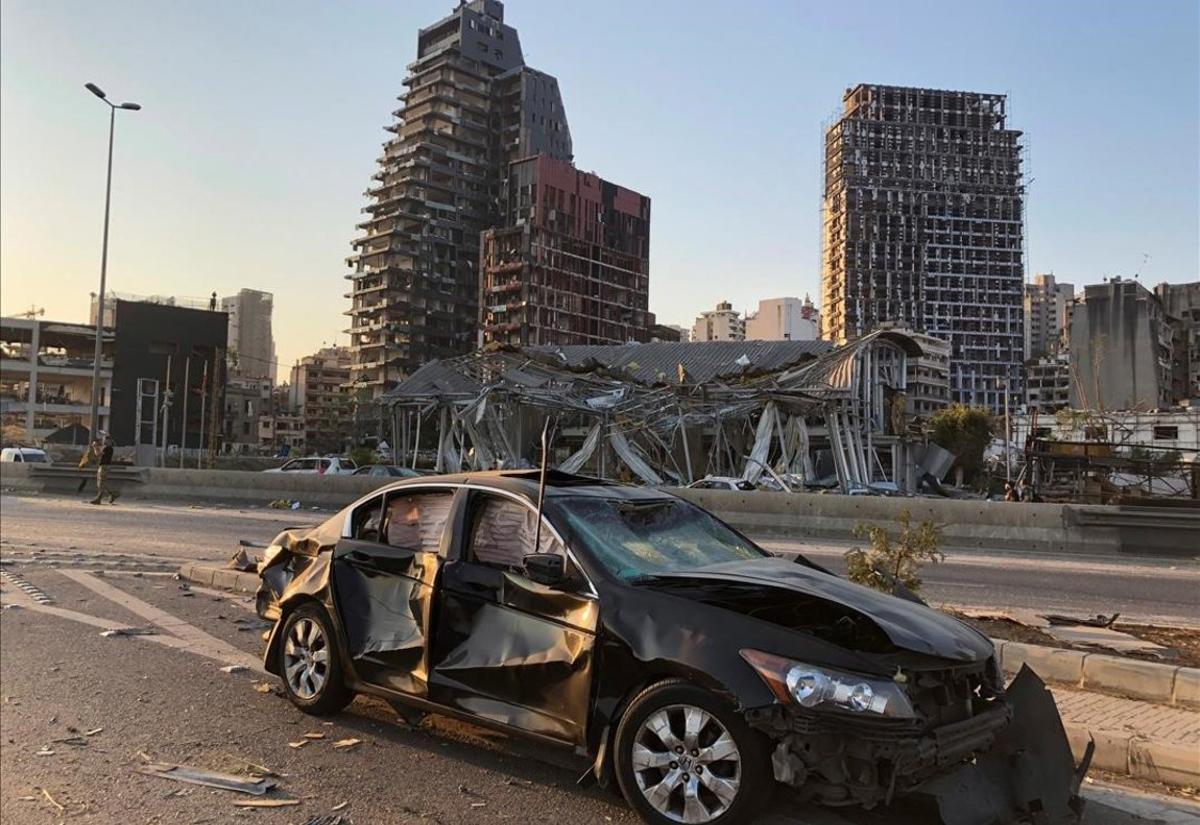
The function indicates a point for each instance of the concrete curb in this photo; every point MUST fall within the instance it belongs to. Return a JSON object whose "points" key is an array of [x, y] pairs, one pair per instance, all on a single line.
{"points": [[1171, 763], [220, 577], [1162, 684]]}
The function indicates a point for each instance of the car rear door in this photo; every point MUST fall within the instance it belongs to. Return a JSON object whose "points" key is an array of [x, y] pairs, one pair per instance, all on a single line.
{"points": [[384, 577], [507, 648]]}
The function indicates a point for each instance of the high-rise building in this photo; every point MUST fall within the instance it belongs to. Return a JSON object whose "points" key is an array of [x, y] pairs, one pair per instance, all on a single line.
{"points": [[784, 319], [1047, 309], [721, 324], [1181, 303], [571, 263], [318, 393], [1121, 349], [251, 343], [471, 107], [922, 225]]}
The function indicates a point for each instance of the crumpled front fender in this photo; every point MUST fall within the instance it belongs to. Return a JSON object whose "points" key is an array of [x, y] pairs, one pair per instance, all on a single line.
{"points": [[1028, 776]]}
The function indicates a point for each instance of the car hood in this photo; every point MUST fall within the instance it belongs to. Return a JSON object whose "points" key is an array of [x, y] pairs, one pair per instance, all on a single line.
{"points": [[908, 625]]}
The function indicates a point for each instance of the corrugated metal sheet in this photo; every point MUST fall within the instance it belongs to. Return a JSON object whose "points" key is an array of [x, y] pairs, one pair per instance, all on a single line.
{"points": [[658, 363], [648, 364]]}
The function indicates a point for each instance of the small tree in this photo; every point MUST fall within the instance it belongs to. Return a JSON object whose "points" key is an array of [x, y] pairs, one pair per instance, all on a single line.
{"points": [[965, 431], [887, 561]]}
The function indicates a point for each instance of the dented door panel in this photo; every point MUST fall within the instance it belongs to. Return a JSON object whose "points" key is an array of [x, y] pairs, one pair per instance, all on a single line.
{"points": [[384, 596]]}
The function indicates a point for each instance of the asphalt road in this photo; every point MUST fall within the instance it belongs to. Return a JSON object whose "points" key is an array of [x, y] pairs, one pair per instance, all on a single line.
{"points": [[1165, 591], [81, 714]]}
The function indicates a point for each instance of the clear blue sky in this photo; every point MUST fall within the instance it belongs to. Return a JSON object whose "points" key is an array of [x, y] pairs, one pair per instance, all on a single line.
{"points": [[262, 122]]}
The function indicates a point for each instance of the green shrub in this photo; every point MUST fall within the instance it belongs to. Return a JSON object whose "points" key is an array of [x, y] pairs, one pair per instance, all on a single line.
{"points": [[891, 561], [965, 431]]}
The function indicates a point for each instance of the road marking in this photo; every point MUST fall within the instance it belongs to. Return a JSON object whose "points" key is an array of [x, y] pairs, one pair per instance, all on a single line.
{"points": [[195, 639], [30, 590]]}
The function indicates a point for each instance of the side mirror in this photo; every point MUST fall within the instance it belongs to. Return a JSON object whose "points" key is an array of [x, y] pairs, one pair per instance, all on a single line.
{"points": [[544, 568]]}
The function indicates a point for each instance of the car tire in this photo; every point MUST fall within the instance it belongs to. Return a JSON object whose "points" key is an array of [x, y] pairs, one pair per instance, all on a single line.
{"points": [[682, 754], [310, 664]]}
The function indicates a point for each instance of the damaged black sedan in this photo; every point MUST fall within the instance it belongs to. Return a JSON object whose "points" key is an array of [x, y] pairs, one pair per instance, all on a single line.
{"points": [[693, 668]]}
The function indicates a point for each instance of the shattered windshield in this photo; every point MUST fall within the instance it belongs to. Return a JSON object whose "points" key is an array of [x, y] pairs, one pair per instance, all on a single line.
{"points": [[636, 539]]}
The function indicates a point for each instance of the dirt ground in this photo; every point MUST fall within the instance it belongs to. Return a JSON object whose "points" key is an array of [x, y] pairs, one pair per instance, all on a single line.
{"points": [[1184, 643]]}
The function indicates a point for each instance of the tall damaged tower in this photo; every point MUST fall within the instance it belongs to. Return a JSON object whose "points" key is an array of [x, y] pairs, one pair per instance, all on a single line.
{"points": [[923, 226], [471, 107]]}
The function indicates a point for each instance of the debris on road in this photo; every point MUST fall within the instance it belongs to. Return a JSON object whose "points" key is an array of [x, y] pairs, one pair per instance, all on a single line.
{"points": [[212, 779], [1100, 620], [1087, 635], [281, 802], [262, 687], [234, 669], [317, 735], [243, 560], [327, 819], [45, 751], [45, 793], [299, 744], [339, 806], [1019, 615], [128, 631], [92, 732], [346, 744]]}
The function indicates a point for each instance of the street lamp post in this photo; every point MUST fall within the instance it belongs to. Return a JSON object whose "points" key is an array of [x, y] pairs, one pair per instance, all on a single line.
{"points": [[112, 121]]}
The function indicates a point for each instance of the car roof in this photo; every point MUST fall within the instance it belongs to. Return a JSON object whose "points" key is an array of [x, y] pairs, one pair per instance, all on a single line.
{"points": [[525, 483]]}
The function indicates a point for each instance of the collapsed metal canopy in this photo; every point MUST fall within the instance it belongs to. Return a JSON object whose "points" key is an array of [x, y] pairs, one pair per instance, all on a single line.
{"points": [[662, 412]]}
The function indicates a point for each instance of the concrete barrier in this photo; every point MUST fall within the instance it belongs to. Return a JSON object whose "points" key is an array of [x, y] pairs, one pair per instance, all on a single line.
{"points": [[966, 524], [229, 486]]}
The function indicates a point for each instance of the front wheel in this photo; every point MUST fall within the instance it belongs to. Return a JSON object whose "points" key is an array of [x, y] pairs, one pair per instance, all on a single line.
{"points": [[309, 663], [683, 755]]}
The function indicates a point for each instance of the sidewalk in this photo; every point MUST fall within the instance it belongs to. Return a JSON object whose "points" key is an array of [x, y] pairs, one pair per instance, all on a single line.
{"points": [[1135, 738]]}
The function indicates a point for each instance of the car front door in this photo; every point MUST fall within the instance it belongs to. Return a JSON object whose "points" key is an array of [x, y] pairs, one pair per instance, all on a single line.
{"points": [[384, 577], [507, 648]]}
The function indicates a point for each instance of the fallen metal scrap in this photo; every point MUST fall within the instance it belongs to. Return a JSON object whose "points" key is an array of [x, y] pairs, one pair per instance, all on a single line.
{"points": [[212, 779]]}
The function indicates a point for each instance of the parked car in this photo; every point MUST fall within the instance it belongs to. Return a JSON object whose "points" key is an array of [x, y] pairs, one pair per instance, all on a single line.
{"points": [[721, 483], [386, 470], [317, 465], [694, 669], [24, 455]]}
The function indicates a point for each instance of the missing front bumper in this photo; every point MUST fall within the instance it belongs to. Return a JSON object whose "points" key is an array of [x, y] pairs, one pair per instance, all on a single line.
{"points": [[1011, 764]]}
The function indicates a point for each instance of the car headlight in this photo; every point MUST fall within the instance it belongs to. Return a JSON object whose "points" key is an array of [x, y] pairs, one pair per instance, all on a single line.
{"points": [[824, 688]]}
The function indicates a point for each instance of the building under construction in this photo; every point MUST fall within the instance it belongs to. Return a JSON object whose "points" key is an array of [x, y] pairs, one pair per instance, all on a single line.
{"points": [[922, 225], [471, 107], [571, 263]]}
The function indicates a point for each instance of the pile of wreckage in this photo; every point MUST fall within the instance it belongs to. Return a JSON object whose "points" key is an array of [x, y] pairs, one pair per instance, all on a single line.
{"points": [[792, 414]]}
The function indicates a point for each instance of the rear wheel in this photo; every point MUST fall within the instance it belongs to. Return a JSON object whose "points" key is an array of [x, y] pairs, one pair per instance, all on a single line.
{"points": [[309, 663], [682, 755]]}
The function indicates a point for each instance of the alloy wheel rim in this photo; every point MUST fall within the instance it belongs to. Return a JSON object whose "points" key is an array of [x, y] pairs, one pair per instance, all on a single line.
{"points": [[306, 658], [686, 764]]}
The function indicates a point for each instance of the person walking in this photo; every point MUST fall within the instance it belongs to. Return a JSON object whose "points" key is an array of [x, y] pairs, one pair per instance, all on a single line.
{"points": [[101, 452]]}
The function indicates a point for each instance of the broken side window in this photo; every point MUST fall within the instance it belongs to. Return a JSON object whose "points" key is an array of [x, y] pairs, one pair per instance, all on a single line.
{"points": [[415, 521], [364, 524], [502, 533]]}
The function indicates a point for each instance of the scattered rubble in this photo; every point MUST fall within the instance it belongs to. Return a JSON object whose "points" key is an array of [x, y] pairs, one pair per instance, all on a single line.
{"points": [[346, 744], [234, 669]]}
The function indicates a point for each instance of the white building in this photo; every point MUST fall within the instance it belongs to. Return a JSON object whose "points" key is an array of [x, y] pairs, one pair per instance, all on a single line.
{"points": [[250, 335], [46, 375], [1177, 429], [720, 324], [784, 319]]}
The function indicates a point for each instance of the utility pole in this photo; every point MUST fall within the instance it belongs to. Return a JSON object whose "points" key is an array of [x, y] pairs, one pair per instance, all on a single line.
{"points": [[112, 122], [166, 409], [187, 373], [203, 398]]}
